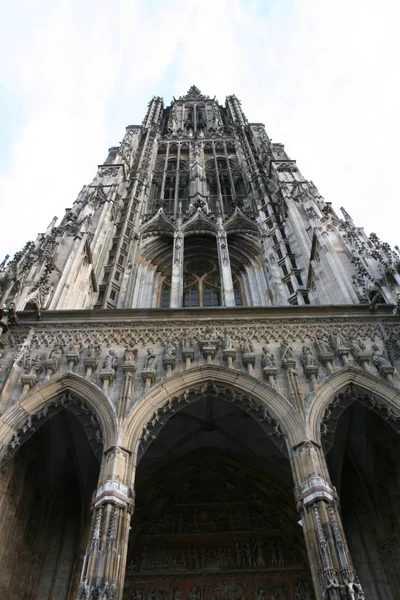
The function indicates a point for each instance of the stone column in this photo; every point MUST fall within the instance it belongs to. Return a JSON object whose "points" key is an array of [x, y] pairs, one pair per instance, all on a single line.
{"points": [[104, 563], [331, 567], [177, 268], [228, 297]]}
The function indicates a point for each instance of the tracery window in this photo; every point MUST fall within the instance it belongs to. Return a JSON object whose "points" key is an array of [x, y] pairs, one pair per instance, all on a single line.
{"points": [[170, 184], [201, 284]]}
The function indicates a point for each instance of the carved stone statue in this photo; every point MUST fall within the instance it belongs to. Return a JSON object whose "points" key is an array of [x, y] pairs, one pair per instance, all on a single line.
{"points": [[110, 361], [195, 593], [260, 594], [130, 354], [227, 341], [302, 591], [338, 341], [380, 360], [323, 346], [209, 333], [357, 347], [150, 361], [187, 343], [278, 594], [307, 357], [246, 347], [267, 359], [286, 352], [176, 593], [56, 353], [170, 349]]}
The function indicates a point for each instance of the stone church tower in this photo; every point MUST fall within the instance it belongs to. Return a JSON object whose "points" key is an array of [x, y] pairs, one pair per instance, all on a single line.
{"points": [[199, 389]]}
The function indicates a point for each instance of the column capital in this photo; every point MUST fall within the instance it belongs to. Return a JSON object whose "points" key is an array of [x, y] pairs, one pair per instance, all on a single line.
{"points": [[314, 489], [114, 492]]}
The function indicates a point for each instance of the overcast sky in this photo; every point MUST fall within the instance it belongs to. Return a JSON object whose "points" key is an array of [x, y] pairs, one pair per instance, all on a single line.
{"points": [[322, 75]]}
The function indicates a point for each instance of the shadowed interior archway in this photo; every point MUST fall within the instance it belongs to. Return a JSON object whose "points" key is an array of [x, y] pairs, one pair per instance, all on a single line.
{"points": [[19, 421], [51, 468], [215, 515], [360, 435], [319, 401], [168, 397]]}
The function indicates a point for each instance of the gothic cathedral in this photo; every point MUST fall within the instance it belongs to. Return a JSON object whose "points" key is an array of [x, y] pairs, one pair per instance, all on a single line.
{"points": [[200, 397]]}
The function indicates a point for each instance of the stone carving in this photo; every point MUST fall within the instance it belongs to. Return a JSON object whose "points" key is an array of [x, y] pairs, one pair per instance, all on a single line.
{"points": [[287, 356], [323, 347], [150, 368], [227, 340], [110, 362], [267, 359], [54, 358], [229, 351], [341, 345], [129, 359], [209, 344], [381, 361], [260, 594], [150, 362], [74, 351], [269, 368], [277, 593], [256, 331], [310, 365], [33, 367], [169, 356], [302, 591], [359, 351], [248, 356], [187, 345]]}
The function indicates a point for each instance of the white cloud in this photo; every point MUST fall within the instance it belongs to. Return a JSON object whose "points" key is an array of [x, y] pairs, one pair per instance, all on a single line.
{"points": [[322, 76]]}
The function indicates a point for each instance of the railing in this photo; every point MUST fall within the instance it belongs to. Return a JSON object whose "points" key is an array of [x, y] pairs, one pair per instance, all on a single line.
{"points": [[213, 205]]}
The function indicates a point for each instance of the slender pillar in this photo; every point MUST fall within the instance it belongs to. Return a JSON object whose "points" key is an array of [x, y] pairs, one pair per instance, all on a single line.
{"points": [[228, 297], [104, 564], [334, 577], [177, 267]]}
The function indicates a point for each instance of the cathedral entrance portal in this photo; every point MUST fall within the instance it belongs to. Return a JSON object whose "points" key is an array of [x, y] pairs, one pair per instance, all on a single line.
{"points": [[47, 487], [363, 449], [215, 517]]}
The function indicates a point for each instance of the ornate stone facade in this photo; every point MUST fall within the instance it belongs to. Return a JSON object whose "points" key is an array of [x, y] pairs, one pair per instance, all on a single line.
{"points": [[201, 328]]}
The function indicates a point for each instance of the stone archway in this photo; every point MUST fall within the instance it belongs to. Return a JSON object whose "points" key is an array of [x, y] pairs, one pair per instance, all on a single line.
{"points": [[387, 397], [265, 403], [51, 456], [215, 515], [21, 420], [359, 434]]}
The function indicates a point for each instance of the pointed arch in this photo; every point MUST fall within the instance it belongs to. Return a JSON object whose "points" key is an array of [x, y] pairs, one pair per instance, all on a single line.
{"points": [[183, 387], [325, 395], [18, 420]]}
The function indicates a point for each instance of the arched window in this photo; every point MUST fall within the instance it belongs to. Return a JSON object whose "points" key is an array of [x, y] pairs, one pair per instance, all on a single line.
{"points": [[238, 294], [201, 285], [165, 297]]}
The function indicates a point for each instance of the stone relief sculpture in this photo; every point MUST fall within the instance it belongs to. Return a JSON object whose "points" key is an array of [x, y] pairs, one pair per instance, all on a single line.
{"points": [[246, 347], [130, 354], [307, 358], [286, 351], [357, 347], [381, 361], [150, 362], [267, 359], [170, 349], [110, 361]]}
